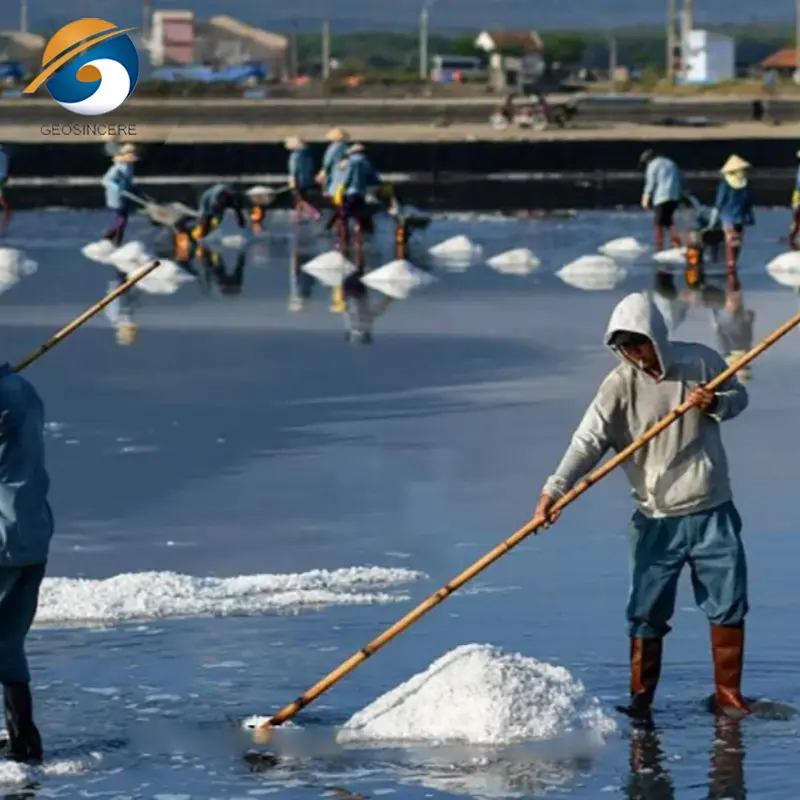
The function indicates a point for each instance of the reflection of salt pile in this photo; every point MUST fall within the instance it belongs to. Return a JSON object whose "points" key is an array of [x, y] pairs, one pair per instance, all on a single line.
{"points": [[228, 235], [155, 595], [477, 694]]}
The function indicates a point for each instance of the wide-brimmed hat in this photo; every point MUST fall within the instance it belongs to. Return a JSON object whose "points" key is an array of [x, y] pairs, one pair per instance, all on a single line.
{"points": [[337, 135], [293, 143], [356, 148], [127, 153], [734, 164]]}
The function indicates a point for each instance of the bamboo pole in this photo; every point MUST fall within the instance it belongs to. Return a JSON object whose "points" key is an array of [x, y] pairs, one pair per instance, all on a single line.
{"points": [[87, 315], [263, 731]]}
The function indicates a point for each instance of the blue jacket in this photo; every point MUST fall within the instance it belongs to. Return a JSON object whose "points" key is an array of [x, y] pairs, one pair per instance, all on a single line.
{"points": [[360, 176], [26, 521], [734, 206], [334, 153], [301, 169], [663, 182], [3, 166], [118, 179]]}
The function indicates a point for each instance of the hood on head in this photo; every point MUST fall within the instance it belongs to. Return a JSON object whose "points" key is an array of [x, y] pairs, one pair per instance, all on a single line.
{"points": [[636, 313]]}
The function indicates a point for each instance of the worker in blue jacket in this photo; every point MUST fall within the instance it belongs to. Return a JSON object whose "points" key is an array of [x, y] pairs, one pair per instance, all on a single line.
{"points": [[795, 228], [359, 178], [733, 206], [302, 179], [663, 192], [334, 153], [214, 202], [119, 184]]}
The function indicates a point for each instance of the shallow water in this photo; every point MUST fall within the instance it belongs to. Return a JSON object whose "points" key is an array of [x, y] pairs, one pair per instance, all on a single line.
{"points": [[237, 444]]}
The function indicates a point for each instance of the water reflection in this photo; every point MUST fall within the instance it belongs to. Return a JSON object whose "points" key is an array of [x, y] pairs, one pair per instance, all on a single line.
{"points": [[648, 779], [731, 320]]}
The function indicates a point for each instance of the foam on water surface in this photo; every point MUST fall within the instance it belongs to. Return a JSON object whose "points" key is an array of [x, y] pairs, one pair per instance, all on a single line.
{"points": [[477, 694], [13, 774], [154, 595]]}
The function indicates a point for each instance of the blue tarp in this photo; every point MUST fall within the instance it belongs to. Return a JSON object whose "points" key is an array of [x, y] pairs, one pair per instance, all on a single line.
{"points": [[234, 74], [11, 69]]}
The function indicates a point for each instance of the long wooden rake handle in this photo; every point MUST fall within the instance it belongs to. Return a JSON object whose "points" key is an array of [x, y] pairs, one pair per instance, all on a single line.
{"points": [[287, 712], [87, 315]]}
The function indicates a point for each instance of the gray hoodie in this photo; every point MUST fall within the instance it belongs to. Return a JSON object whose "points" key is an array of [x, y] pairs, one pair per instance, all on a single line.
{"points": [[684, 469]]}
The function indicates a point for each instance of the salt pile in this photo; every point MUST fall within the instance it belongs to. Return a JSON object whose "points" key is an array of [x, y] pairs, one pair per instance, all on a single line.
{"points": [[14, 264], [477, 694], [520, 261], [626, 247], [397, 279], [158, 595], [785, 269], [675, 256], [329, 268], [228, 235], [100, 251], [458, 252]]}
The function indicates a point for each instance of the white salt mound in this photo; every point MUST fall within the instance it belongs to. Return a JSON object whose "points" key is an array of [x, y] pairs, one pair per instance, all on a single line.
{"points": [[592, 273], [397, 279], [520, 261], [625, 247], [458, 252], [14, 265], [477, 694], [99, 251], [166, 278], [675, 256], [329, 268], [228, 235], [785, 269]]}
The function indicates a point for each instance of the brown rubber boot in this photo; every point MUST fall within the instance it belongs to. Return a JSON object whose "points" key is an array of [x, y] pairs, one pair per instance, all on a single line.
{"points": [[727, 646], [645, 672]]}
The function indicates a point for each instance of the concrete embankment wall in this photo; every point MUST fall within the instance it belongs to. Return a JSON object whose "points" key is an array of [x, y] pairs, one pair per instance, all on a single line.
{"points": [[354, 111], [452, 175]]}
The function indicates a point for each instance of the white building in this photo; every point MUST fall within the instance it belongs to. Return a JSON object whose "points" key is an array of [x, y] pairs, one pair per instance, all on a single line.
{"points": [[710, 58]]}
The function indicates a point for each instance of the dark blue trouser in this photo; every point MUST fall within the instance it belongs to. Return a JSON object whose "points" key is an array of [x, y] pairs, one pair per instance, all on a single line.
{"points": [[710, 543], [19, 597]]}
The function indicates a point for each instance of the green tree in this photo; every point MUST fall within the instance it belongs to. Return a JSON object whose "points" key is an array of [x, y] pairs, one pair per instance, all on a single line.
{"points": [[566, 48], [464, 46]]}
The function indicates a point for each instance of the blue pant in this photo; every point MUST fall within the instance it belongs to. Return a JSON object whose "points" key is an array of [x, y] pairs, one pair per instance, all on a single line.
{"points": [[19, 597], [710, 543]]}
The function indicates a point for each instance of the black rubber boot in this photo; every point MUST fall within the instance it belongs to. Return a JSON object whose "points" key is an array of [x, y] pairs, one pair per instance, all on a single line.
{"points": [[24, 741]]}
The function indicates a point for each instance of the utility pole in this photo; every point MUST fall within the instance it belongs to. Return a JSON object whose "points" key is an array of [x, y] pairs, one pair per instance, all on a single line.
{"points": [[797, 43], [326, 49], [146, 13], [23, 15], [671, 13], [612, 60], [423, 42]]}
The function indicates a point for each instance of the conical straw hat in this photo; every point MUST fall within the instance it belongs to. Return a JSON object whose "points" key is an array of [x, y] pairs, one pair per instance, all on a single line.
{"points": [[734, 164]]}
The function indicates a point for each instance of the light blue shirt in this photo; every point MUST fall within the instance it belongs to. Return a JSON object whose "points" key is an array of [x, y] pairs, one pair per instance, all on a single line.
{"points": [[3, 165], [118, 179], [301, 169], [361, 175], [662, 183], [334, 153]]}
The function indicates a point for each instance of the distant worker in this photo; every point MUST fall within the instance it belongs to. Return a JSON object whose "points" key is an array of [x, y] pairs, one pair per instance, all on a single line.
{"points": [[794, 230], [334, 153], [733, 206], [663, 191], [214, 202], [4, 169], [112, 144], [359, 178], [118, 183], [301, 178]]}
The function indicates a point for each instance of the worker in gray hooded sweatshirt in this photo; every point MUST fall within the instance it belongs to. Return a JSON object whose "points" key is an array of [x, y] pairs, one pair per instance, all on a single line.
{"points": [[680, 483]]}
